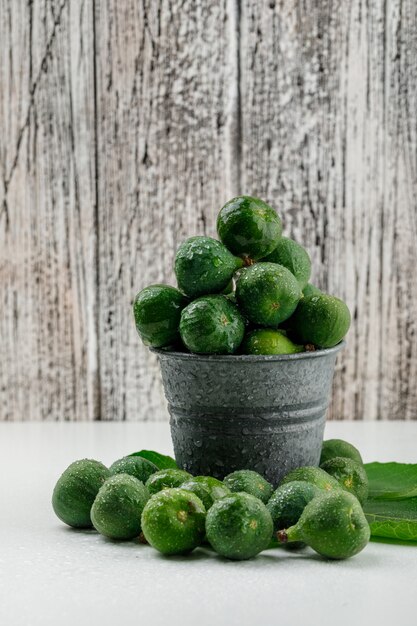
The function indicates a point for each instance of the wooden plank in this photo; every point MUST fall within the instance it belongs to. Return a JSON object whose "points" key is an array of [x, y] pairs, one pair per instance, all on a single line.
{"points": [[167, 95], [329, 136], [309, 105], [47, 212]]}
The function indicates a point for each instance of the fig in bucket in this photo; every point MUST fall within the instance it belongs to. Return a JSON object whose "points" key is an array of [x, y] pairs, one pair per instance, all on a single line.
{"points": [[249, 227], [267, 293], [212, 325], [310, 290], [268, 341], [204, 265], [321, 320], [294, 257], [157, 311]]}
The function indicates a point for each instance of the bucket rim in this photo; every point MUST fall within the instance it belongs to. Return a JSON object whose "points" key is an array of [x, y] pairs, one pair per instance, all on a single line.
{"points": [[247, 358]]}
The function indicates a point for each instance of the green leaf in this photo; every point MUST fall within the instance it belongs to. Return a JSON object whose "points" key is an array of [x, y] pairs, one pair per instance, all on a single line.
{"points": [[394, 519], [392, 481], [394, 542], [162, 461]]}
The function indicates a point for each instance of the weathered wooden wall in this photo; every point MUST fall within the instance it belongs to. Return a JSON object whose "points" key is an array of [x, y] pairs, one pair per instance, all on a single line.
{"points": [[124, 126]]}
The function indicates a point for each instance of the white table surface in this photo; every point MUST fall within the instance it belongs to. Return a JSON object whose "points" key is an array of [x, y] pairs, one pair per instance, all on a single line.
{"points": [[52, 575]]}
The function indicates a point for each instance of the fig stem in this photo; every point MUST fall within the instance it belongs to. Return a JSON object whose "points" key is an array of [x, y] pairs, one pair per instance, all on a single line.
{"points": [[310, 347]]}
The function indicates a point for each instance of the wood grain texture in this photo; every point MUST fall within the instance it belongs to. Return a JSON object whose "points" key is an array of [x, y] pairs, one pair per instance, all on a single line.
{"points": [[166, 85], [124, 126], [328, 137], [47, 220]]}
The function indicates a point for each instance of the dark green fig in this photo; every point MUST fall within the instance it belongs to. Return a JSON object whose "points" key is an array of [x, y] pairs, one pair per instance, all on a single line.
{"points": [[75, 492], [165, 479], [311, 290], [321, 320], [239, 526], [267, 293], [204, 265], [201, 491], [289, 501], [173, 521], [157, 310], [294, 257], [249, 227], [212, 325], [216, 488], [350, 475], [117, 509], [249, 482], [314, 475], [338, 447], [134, 466], [333, 524]]}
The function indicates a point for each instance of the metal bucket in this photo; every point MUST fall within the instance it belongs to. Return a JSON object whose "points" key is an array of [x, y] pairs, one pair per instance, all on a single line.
{"points": [[265, 413]]}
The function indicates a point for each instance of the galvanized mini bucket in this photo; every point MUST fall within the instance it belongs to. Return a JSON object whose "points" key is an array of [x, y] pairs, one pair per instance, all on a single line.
{"points": [[265, 413]]}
